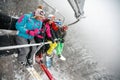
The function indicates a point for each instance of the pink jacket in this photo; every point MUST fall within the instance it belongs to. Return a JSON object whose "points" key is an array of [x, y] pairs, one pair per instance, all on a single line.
{"points": [[48, 30]]}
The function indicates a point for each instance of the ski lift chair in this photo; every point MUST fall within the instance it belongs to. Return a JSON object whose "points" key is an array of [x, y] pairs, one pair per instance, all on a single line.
{"points": [[8, 23]]}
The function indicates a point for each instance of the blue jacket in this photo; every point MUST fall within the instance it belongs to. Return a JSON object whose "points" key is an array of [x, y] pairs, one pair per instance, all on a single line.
{"points": [[27, 22]]}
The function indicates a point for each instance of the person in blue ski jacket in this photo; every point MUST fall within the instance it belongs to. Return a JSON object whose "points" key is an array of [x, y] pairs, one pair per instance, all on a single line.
{"points": [[28, 26]]}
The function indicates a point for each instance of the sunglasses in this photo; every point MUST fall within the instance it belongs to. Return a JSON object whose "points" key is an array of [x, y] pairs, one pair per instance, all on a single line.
{"points": [[41, 13]]}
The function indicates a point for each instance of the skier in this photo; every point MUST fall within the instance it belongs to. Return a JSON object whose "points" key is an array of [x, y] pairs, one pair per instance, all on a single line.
{"points": [[28, 26], [53, 30], [58, 32], [47, 36], [60, 43]]}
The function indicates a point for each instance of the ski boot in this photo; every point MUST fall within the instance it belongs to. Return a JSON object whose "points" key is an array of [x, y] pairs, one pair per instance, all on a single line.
{"points": [[62, 57], [48, 61], [29, 63]]}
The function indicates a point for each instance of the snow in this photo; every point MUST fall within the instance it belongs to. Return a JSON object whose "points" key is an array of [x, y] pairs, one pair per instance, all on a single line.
{"points": [[91, 46]]}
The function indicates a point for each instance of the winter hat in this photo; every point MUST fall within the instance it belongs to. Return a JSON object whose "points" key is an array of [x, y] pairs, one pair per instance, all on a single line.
{"points": [[39, 12], [51, 16], [58, 22], [40, 7]]}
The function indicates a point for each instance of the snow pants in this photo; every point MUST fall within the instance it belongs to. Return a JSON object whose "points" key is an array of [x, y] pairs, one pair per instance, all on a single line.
{"points": [[59, 48], [52, 47], [26, 52]]}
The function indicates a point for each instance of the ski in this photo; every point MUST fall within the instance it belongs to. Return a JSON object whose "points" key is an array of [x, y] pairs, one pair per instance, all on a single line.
{"points": [[44, 68], [34, 73], [47, 72]]}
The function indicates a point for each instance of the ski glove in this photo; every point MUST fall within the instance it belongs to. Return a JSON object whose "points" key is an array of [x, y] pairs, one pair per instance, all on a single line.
{"points": [[52, 39], [32, 32], [62, 40], [39, 36]]}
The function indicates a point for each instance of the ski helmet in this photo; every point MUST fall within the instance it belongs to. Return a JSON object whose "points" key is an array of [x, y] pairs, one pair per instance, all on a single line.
{"points": [[51, 16]]}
